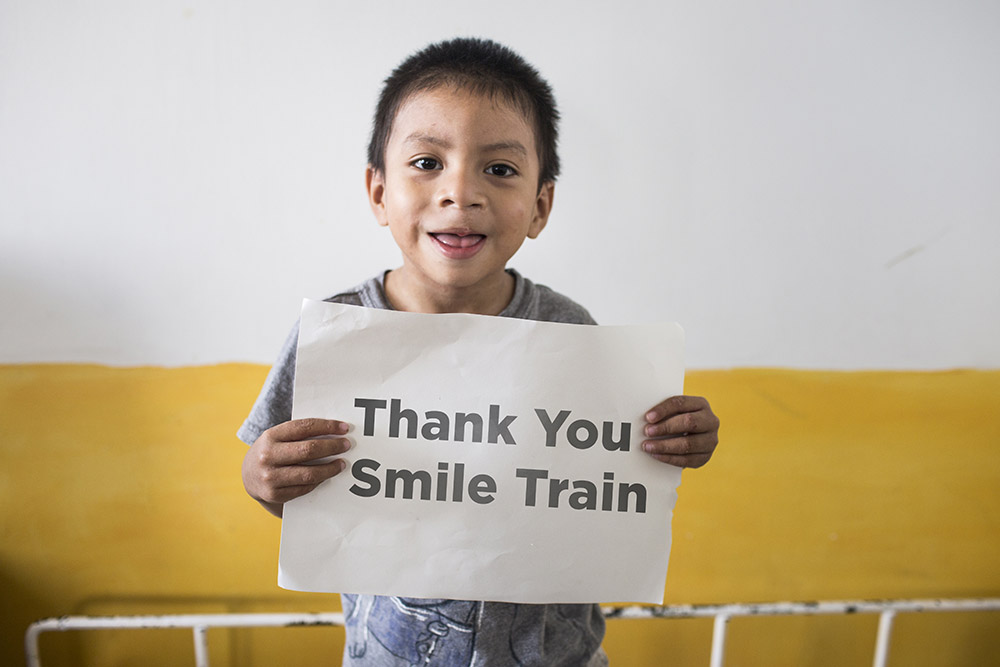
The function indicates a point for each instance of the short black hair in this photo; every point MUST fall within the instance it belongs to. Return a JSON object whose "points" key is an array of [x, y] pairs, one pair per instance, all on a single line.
{"points": [[481, 67]]}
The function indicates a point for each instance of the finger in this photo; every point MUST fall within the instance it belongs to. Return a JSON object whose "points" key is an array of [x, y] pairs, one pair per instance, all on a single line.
{"points": [[281, 454], [703, 421], [313, 451], [278, 479], [693, 444], [284, 494], [692, 461], [304, 429], [676, 405]]}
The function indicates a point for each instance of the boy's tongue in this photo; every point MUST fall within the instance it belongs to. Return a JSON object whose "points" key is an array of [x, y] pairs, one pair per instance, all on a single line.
{"points": [[457, 241]]}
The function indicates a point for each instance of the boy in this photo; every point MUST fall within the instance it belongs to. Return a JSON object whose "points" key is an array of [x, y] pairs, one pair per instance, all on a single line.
{"points": [[462, 169]]}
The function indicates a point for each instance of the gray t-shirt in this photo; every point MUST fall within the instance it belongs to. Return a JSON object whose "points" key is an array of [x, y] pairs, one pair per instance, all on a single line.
{"points": [[391, 631]]}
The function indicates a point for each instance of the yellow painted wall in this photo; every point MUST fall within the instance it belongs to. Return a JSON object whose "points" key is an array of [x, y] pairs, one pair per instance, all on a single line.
{"points": [[120, 493]]}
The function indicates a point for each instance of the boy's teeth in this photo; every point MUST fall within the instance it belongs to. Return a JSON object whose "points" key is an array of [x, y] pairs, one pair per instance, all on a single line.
{"points": [[457, 241]]}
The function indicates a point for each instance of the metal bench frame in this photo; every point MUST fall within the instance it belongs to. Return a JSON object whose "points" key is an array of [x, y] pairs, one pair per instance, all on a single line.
{"points": [[200, 623]]}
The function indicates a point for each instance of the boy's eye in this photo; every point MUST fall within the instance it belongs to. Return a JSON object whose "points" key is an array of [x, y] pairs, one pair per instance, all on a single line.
{"points": [[426, 163], [501, 170]]}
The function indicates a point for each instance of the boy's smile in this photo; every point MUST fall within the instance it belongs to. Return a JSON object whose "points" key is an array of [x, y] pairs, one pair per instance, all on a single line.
{"points": [[458, 244], [460, 194]]}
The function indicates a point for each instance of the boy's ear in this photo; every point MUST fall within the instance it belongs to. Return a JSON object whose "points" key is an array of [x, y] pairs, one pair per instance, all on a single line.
{"points": [[543, 206], [375, 184]]}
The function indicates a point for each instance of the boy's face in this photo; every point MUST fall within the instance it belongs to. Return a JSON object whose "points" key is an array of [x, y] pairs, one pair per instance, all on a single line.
{"points": [[460, 191]]}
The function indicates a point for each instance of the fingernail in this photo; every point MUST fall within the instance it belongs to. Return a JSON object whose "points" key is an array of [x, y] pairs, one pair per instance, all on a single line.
{"points": [[651, 416], [647, 447], [342, 427]]}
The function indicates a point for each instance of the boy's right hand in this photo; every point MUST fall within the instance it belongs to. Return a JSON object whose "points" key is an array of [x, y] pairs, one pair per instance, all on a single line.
{"points": [[278, 466]]}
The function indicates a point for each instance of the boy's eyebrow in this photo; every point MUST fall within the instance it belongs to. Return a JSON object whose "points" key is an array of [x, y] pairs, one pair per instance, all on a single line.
{"points": [[515, 146], [423, 138]]}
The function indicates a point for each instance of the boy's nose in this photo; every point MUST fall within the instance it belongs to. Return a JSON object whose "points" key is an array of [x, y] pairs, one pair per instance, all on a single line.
{"points": [[460, 189]]}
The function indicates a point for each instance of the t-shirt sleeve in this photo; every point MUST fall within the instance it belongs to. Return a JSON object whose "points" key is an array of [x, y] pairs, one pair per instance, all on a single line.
{"points": [[274, 404], [554, 307]]}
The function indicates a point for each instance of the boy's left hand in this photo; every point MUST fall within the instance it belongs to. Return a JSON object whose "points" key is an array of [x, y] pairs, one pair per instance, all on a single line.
{"points": [[682, 431]]}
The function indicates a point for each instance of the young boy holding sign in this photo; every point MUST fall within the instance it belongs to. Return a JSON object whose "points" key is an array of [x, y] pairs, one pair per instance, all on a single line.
{"points": [[462, 169]]}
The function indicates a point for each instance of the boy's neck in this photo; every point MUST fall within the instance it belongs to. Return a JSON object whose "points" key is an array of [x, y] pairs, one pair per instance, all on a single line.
{"points": [[410, 295]]}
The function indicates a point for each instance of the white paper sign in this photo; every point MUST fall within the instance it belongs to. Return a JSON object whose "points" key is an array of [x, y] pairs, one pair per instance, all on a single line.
{"points": [[493, 458]]}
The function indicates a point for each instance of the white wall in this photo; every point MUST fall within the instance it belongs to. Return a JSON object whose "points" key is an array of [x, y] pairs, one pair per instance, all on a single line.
{"points": [[798, 185]]}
